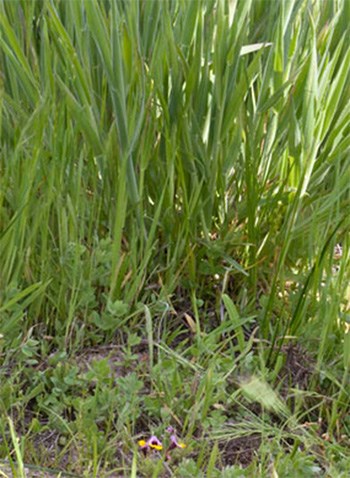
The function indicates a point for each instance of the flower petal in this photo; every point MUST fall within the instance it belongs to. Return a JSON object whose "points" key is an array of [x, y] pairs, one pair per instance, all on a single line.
{"points": [[156, 447]]}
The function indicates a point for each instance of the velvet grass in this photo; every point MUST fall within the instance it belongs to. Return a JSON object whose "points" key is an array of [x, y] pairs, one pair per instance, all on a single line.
{"points": [[175, 214]]}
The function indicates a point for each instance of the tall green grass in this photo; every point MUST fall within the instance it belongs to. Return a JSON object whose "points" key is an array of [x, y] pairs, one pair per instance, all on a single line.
{"points": [[184, 142], [168, 161]]}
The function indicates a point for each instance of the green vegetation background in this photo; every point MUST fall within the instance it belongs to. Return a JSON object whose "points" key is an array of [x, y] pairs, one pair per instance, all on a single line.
{"points": [[174, 236]]}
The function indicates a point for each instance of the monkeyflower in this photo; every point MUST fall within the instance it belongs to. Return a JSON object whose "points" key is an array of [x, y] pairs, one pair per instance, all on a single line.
{"points": [[154, 444], [174, 443]]}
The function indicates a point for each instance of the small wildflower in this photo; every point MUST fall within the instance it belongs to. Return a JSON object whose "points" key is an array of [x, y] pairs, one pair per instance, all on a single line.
{"points": [[143, 446], [151, 444], [174, 443], [154, 443]]}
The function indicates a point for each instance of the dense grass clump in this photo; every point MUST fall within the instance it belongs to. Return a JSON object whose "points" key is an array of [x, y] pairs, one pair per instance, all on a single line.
{"points": [[174, 237]]}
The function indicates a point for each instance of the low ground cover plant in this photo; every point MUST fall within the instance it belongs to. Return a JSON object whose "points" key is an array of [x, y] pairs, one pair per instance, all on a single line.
{"points": [[174, 238]]}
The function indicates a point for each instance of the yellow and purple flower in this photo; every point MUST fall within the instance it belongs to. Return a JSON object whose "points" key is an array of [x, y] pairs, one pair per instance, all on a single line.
{"points": [[152, 443], [174, 443]]}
